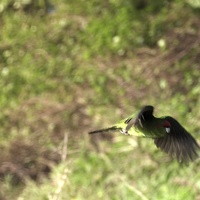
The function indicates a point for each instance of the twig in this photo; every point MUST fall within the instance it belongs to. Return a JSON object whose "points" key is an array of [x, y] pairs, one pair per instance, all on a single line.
{"points": [[64, 176], [135, 190]]}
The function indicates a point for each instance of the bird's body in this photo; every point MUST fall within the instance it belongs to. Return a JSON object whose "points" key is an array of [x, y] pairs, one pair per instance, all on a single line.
{"points": [[167, 133]]}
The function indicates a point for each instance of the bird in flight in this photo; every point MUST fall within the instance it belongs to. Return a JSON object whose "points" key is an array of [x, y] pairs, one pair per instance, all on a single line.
{"points": [[168, 134]]}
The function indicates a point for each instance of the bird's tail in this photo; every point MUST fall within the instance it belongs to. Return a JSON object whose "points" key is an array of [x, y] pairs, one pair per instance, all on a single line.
{"points": [[110, 129]]}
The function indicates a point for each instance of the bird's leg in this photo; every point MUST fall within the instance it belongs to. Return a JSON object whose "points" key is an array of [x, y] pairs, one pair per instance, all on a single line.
{"points": [[143, 117], [124, 131], [140, 122]]}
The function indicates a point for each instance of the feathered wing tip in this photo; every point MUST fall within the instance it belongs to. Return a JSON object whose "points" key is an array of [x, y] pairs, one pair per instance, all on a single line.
{"points": [[144, 114], [113, 128], [148, 109], [178, 143]]}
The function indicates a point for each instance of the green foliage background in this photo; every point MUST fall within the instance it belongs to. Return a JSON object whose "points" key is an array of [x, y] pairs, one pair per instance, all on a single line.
{"points": [[68, 67]]}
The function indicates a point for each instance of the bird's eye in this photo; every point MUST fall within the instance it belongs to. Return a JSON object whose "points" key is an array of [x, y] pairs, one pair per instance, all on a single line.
{"points": [[167, 126]]}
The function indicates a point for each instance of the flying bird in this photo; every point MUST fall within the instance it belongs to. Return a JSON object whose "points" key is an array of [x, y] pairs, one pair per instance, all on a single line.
{"points": [[168, 134]]}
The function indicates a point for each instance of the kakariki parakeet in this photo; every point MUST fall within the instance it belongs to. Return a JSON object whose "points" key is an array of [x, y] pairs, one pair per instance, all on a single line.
{"points": [[167, 133]]}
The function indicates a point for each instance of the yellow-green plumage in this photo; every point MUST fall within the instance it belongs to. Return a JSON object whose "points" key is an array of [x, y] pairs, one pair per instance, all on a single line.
{"points": [[142, 124], [149, 129]]}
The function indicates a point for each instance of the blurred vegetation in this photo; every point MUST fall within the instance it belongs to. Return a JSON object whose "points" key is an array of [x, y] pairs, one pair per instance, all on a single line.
{"points": [[68, 67]]}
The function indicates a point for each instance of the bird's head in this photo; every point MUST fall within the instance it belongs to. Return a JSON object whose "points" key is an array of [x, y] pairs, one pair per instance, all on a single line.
{"points": [[166, 124]]}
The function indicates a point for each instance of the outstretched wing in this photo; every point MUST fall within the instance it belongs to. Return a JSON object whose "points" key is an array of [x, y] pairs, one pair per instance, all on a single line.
{"points": [[178, 143]]}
